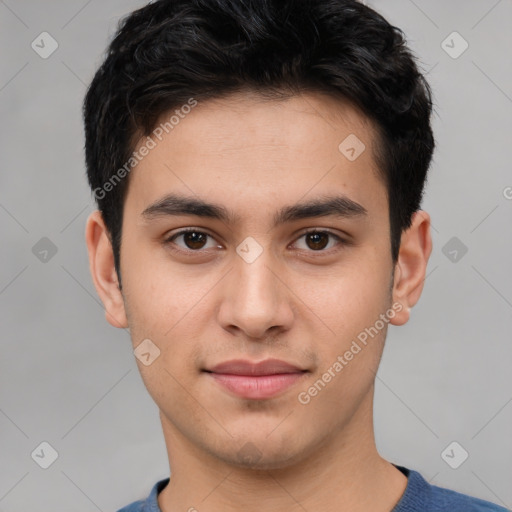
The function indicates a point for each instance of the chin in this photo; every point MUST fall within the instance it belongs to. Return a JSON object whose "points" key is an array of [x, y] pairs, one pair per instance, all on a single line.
{"points": [[259, 452]]}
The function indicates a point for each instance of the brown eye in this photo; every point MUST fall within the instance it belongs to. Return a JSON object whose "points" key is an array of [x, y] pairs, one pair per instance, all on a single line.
{"points": [[192, 240], [317, 241]]}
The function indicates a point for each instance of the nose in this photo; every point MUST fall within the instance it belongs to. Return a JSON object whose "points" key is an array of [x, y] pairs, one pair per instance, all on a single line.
{"points": [[256, 299]]}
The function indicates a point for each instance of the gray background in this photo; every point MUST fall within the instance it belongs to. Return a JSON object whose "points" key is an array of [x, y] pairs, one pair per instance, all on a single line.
{"points": [[70, 379]]}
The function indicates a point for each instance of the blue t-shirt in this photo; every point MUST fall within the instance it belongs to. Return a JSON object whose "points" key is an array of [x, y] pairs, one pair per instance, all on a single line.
{"points": [[419, 496]]}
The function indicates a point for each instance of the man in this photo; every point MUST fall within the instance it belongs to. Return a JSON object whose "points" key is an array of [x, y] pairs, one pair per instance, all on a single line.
{"points": [[259, 167]]}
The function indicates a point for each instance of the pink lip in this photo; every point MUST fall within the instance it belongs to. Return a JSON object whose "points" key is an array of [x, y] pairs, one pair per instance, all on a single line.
{"points": [[256, 387], [265, 367], [256, 380]]}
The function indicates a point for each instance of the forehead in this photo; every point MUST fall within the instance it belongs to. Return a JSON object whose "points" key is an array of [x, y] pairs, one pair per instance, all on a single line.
{"points": [[248, 149], [298, 123]]}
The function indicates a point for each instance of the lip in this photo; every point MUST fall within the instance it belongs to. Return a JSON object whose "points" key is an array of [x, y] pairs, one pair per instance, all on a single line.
{"points": [[256, 381], [249, 368]]}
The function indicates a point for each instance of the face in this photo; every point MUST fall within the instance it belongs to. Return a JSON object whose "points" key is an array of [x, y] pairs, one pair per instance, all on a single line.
{"points": [[250, 234]]}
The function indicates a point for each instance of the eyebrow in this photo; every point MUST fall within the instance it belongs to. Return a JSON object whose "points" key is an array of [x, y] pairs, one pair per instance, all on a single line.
{"points": [[175, 205]]}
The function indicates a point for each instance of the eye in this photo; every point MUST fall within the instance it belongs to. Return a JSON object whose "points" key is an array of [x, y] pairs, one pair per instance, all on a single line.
{"points": [[317, 240], [193, 240]]}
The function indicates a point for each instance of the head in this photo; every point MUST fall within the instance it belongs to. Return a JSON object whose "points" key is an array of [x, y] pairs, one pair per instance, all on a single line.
{"points": [[168, 54], [254, 123]]}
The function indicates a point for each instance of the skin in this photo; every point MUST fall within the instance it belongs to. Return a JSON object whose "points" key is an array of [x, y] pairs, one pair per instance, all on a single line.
{"points": [[295, 302]]}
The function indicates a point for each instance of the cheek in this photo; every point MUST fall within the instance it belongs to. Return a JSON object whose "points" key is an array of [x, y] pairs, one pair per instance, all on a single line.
{"points": [[348, 324], [170, 307], [158, 293], [349, 339], [348, 297]]}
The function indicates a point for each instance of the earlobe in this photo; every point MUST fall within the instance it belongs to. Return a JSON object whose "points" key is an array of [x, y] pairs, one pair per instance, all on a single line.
{"points": [[410, 269], [103, 272]]}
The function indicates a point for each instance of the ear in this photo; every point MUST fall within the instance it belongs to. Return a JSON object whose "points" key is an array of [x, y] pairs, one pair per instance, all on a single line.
{"points": [[101, 265], [410, 269]]}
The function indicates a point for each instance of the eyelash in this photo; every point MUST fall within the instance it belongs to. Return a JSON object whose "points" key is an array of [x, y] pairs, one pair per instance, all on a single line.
{"points": [[169, 241]]}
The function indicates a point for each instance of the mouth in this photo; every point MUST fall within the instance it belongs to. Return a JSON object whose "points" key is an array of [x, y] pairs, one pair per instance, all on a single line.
{"points": [[256, 381]]}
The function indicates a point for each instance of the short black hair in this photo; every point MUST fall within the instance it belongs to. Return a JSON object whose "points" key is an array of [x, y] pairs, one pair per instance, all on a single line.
{"points": [[170, 52]]}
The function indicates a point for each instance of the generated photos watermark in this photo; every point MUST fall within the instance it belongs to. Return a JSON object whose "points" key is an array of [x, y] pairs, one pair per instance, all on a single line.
{"points": [[304, 397], [145, 148]]}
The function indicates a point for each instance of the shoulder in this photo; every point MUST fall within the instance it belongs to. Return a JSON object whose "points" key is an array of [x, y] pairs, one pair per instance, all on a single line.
{"points": [[446, 499], [421, 496], [149, 504]]}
